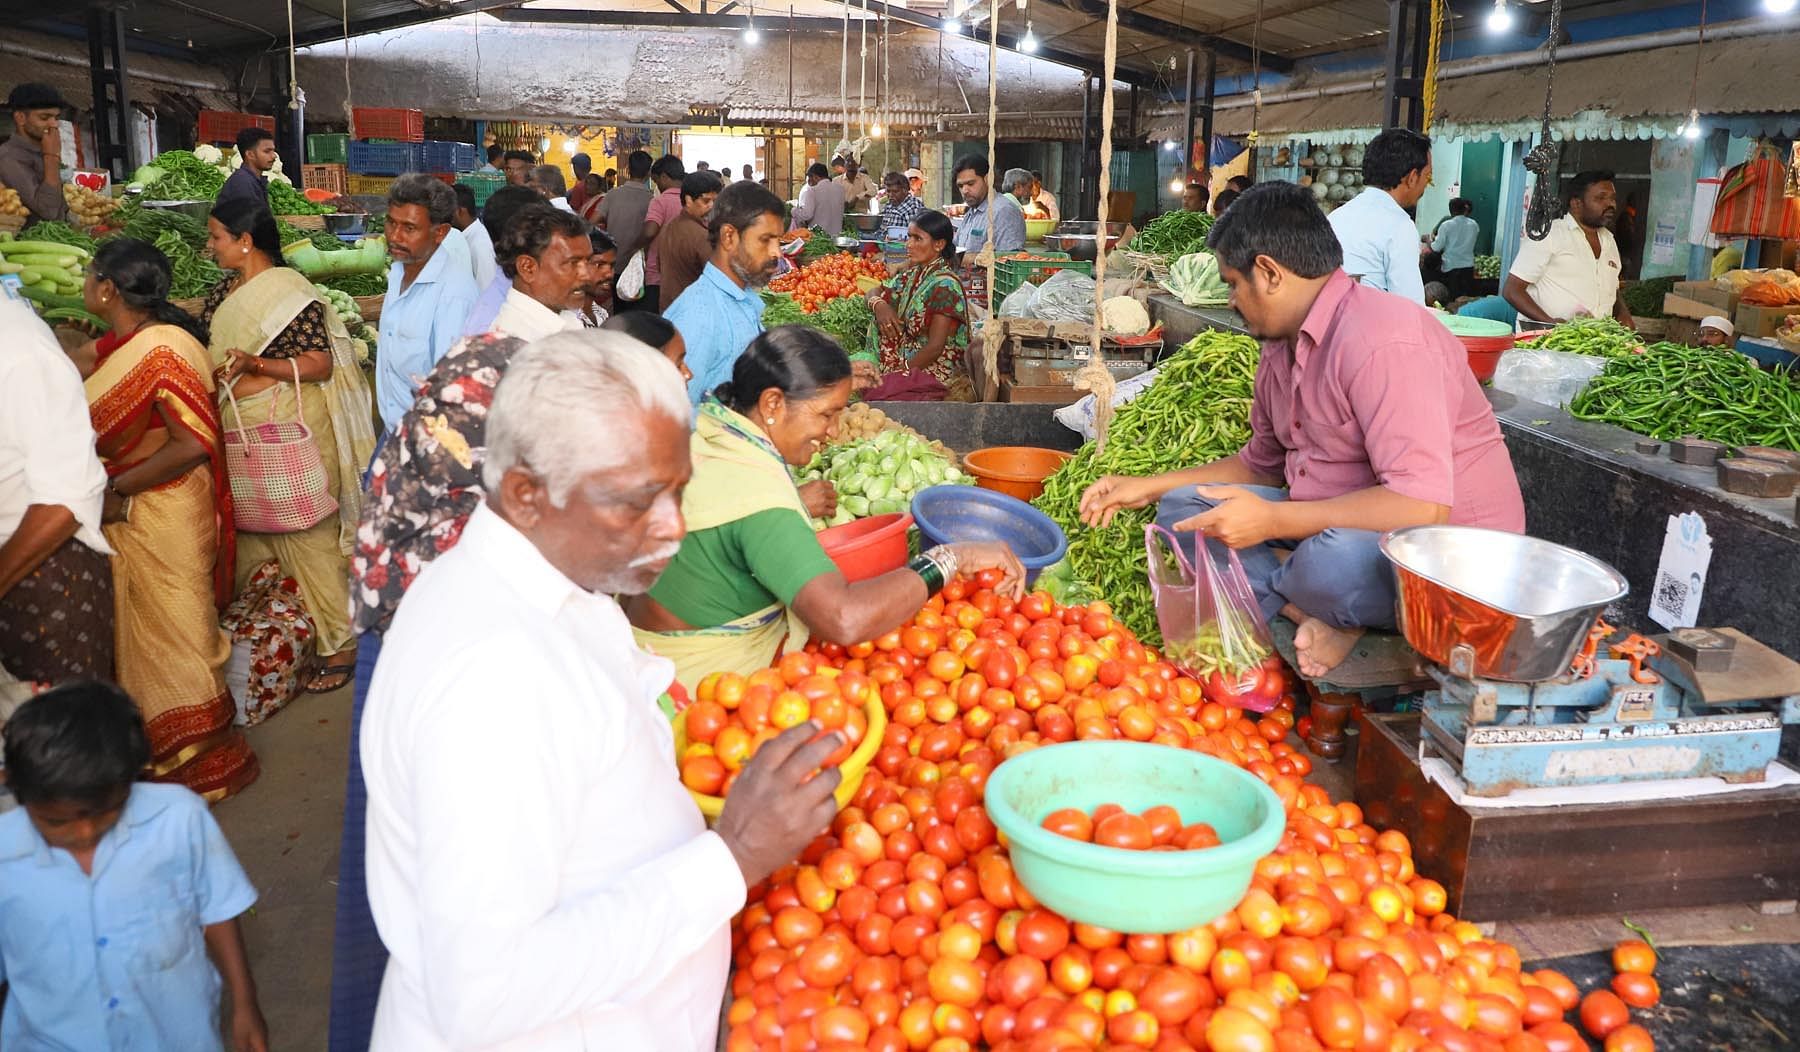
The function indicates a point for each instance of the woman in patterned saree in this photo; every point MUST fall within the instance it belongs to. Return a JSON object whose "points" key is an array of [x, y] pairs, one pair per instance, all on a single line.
{"points": [[269, 325], [921, 329], [167, 516]]}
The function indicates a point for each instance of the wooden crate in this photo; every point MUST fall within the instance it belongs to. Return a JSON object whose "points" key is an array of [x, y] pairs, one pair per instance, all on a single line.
{"points": [[305, 222], [1519, 862], [330, 177]]}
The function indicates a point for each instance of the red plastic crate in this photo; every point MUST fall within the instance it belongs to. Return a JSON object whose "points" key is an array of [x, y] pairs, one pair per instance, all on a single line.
{"points": [[222, 126], [399, 125]]}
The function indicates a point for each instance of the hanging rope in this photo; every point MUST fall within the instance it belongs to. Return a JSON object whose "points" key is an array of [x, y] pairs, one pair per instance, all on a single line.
{"points": [[1428, 93], [862, 72], [1541, 161], [844, 72], [349, 117], [1094, 376], [294, 94], [1255, 80], [991, 336]]}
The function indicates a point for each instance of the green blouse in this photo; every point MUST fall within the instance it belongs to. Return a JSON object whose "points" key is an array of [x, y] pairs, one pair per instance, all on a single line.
{"points": [[730, 571]]}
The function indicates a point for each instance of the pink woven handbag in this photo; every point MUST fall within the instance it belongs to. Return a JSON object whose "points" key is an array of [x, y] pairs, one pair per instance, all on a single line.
{"points": [[278, 481]]}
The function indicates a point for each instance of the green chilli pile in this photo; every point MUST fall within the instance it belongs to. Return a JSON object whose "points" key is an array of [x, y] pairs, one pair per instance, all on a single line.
{"points": [[1197, 410], [1672, 391], [1599, 337], [1173, 234], [194, 274], [284, 200]]}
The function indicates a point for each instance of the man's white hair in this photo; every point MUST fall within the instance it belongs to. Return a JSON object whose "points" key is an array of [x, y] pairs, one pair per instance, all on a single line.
{"points": [[564, 399]]}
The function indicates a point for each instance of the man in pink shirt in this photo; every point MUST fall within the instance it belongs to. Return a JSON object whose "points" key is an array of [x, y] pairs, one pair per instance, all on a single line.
{"points": [[667, 173], [1365, 419]]}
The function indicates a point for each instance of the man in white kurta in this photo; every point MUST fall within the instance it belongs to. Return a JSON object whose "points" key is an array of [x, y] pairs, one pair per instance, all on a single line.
{"points": [[538, 873]]}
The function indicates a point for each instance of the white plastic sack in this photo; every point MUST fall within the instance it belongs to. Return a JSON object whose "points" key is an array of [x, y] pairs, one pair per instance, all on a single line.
{"points": [[1019, 302], [630, 283], [1550, 377], [1079, 417]]}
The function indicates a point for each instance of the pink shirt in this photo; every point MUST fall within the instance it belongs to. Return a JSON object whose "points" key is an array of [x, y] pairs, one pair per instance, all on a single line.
{"points": [[1375, 391], [663, 210]]}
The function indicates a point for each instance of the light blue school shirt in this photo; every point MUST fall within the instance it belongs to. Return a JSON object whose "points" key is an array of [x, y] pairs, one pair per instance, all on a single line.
{"points": [[1455, 242], [419, 324], [117, 960], [1381, 244], [717, 320]]}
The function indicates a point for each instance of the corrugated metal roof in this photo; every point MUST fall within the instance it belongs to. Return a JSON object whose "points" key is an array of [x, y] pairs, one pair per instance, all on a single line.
{"points": [[153, 82]]}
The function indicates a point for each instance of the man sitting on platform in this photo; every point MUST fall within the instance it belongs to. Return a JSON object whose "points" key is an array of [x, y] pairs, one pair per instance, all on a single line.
{"points": [[1365, 419]]}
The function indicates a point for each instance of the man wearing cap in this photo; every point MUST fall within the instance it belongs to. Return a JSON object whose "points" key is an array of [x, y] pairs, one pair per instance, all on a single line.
{"points": [[1716, 332], [31, 161]]}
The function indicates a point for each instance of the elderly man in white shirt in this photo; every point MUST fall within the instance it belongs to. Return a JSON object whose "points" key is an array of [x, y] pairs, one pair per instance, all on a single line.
{"points": [[538, 872], [1574, 271], [1380, 240], [56, 586], [547, 254]]}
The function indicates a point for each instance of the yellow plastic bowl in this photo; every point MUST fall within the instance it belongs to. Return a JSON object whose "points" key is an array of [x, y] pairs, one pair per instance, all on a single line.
{"points": [[853, 768], [1037, 229]]}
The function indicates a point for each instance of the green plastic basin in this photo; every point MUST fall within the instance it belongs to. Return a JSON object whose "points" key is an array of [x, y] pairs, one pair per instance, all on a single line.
{"points": [[1133, 891]]}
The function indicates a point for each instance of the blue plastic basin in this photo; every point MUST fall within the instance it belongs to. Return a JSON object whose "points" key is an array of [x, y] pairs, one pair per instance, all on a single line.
{"points": [[947, 514]]}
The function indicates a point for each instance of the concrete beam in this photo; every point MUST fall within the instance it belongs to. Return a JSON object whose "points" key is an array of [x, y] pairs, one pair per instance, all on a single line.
{"points": [[768, 23], [1179, 34]]}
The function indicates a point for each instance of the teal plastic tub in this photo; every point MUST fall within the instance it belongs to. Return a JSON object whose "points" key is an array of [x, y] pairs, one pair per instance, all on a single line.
{"points": [[1133, 891]]}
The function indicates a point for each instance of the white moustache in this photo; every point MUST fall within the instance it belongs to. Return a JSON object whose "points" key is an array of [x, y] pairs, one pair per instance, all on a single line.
{"points": [[662, 554]]}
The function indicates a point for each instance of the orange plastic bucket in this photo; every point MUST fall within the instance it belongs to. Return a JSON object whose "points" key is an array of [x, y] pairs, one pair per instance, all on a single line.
{"points": [[868, 547], [1017, 471]]}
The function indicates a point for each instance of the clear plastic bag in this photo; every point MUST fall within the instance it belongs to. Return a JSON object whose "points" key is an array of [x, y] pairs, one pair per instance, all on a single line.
{"points": [[1019, 302], [1550, 377], [1212, 627], [1067, 296]]}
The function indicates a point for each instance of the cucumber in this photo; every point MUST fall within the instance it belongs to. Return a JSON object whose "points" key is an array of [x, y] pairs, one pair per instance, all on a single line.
{"points": [[10, 268], [44, 248], [37, 259], [33, 275]]}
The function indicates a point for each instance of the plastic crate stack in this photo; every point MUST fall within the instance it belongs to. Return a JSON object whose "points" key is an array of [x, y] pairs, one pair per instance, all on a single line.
{"points": [[450, 156], [399, 125], [332, 177], [327, 148], [1009, 274], [383, 158], [483, 183], [222, 126]]}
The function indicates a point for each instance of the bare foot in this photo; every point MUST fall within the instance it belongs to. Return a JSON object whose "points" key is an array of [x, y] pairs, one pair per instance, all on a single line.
{"points": [[1319, 647]]}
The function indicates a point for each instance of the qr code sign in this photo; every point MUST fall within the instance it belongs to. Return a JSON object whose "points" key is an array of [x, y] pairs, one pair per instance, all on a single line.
{"points": [[1671, 594]]}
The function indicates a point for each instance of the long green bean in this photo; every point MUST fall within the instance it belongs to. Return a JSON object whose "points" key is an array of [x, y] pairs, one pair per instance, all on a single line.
{"points": [[1197, 410], [1672, 391]]}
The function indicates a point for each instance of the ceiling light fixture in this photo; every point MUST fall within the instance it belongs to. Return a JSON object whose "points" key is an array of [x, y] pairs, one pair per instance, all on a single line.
{"points": [[751, 34], [1028, 43], [952, 25], [1500, 19], [1691, 130], [1778, 7], [1177, 185]]}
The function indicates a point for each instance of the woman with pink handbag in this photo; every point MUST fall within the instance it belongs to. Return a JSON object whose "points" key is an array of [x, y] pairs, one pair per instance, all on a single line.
{"points": [[296, 414]]}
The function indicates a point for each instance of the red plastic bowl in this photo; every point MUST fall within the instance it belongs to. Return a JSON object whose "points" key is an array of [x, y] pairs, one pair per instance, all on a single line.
{"points": [[868, 547], [1485, 352]]}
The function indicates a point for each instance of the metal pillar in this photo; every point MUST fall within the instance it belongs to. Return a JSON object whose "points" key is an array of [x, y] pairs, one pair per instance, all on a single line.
{"points": [[1187, 117], [1206, 113], [290, 124], [1086, 201], [1406, 47], [112, 99]]}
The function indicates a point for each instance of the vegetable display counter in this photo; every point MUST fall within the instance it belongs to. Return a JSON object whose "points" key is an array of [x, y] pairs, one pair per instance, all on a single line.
{"points": [[1180, 322]]}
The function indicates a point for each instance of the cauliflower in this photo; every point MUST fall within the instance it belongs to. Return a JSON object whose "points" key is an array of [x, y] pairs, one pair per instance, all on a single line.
{"points": [[209, 153], [1125, 316]]}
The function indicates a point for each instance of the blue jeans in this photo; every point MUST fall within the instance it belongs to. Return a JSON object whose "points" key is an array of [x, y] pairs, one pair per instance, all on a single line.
{"points": [[358, 957], [1338, 576]]}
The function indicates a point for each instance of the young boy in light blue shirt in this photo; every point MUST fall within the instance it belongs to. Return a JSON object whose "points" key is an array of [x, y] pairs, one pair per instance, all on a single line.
{"points": [[114, 893]]}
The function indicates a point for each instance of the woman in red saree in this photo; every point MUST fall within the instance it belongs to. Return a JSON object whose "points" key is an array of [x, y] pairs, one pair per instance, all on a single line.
{"points": [[167, 517]]}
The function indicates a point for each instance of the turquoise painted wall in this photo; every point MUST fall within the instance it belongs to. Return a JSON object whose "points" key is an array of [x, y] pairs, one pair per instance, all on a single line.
{"points": [[1481, 169]]}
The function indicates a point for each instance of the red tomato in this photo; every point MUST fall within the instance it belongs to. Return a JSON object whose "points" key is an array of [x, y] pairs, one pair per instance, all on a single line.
{"points": [[1602, 1012], [1124, 830], [1637, 989]]}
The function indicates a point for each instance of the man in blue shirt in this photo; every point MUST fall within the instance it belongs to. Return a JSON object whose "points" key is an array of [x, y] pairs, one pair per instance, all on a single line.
{"points": [[430, 291], [971, 175], [721, 313], [256, 147], [1381, 242], [1455, 246]]}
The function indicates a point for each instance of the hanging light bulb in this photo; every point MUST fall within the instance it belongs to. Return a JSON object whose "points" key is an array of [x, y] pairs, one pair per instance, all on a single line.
{"points": [[1778, 7], [1691, 130], [875, 130], [1177, 184], [952, 25], [1500, 19], [751, 33], [568, 145], [1028, 43]]}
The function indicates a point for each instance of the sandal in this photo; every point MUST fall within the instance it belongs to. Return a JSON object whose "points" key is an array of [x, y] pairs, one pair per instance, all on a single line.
{"points": [[331, 677]]}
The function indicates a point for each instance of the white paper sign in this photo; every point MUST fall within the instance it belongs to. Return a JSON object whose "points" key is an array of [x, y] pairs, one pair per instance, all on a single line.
{"points": [[1662, 242], [1681, 572], [1706, 194]]}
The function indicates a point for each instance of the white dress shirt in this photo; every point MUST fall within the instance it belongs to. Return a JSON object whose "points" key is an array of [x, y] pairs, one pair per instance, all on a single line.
{"points": [[527, 319], [1563, 275], [1381, 243], [1047, 201], [481, 253], [536, 869], [46, 435]]}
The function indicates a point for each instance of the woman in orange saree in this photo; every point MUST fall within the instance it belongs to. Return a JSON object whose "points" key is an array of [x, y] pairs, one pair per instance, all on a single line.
{"points": [[167, 517]]}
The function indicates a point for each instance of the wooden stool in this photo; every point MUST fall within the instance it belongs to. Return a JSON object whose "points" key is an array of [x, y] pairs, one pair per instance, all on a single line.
{"points": [[1381, 666]]}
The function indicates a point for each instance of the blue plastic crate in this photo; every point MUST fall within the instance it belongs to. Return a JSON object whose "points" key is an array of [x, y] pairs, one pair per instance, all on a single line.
{"points": [[383, 158], [450, 156]]}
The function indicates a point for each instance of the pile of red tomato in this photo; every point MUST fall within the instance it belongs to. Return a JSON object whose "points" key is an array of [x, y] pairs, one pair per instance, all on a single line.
{"points": [[828, 278], [904, 927], [1158, 828], [732, 716]]}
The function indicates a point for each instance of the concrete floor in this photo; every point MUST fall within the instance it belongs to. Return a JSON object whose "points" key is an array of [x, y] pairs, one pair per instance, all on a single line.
{"points": [[285, 830]]}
